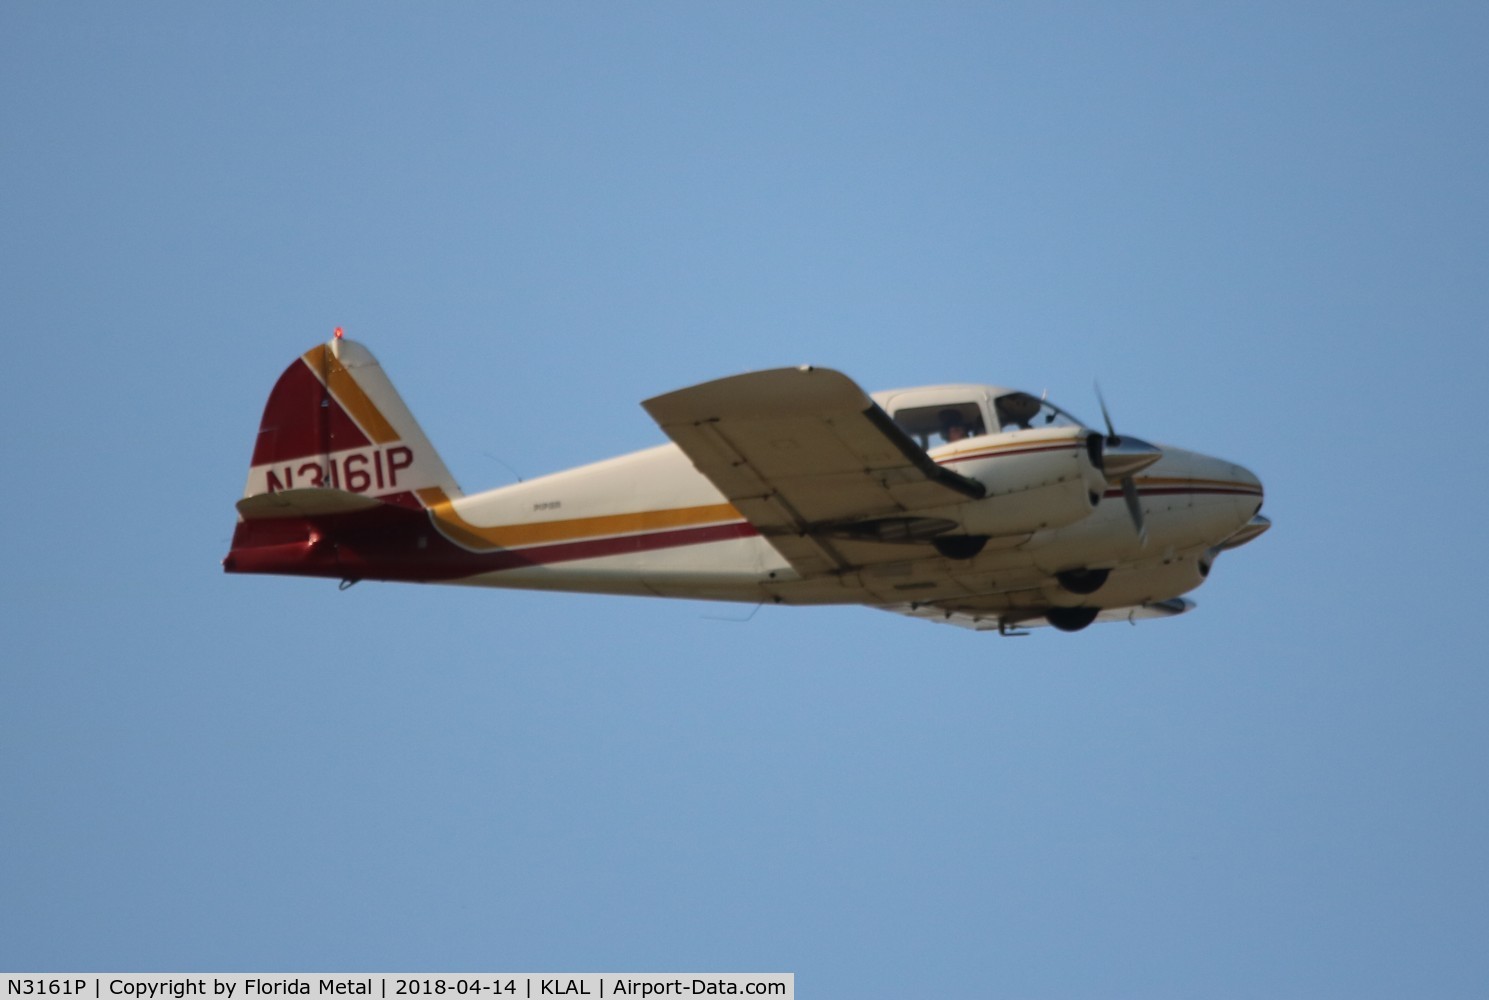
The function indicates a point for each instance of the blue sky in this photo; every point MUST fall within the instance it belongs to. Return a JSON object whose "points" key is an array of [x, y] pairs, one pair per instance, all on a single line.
{"points": [[1262, 228]]}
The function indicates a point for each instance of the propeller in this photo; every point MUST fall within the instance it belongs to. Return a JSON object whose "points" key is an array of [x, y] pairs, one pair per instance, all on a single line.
{"points": [[1121, 458]]}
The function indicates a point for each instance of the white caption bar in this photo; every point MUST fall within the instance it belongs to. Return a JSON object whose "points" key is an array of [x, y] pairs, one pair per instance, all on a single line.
{"points": [[399, 985]]}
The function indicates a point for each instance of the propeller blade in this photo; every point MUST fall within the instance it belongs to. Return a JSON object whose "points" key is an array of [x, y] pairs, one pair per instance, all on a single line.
{"points": [[1111, 434], [1120, 458], [1135, 508]]}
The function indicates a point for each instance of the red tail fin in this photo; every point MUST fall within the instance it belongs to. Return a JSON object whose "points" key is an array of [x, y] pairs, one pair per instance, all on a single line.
{"points": [[338, 453], [334, 421]]}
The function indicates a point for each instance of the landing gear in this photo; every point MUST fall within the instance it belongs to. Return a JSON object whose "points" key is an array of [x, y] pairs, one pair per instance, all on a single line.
{"points": [[959, 546], [1070, 619], [1083, 581]]}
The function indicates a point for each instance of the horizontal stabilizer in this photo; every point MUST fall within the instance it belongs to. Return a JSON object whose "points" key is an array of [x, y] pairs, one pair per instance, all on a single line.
{"points": [[307, 502]]}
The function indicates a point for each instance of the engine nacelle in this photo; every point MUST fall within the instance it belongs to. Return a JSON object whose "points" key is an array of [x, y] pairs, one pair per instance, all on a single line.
{"points": [[1035, 479]]}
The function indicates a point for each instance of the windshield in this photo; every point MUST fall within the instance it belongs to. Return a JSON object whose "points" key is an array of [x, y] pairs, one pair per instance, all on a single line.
{"points": [[1019, 411]]}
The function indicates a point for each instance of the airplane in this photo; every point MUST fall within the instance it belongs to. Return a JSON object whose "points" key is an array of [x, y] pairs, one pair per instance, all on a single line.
{"points": [[969, 505]]}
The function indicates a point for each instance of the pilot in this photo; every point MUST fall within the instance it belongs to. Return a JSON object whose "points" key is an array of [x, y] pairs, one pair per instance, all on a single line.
{"points": [[953, 427], [1017, 409]]}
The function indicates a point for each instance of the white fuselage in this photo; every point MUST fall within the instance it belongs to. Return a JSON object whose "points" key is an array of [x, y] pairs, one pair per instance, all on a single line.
{"points": [[1191, 502]]}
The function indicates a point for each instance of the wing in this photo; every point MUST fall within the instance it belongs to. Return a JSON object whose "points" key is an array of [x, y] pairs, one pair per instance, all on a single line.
{"points": [[946, 613], [801, 452]]}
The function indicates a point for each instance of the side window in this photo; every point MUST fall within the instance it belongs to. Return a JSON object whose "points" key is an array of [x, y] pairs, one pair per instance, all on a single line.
{"points": [[945, 423]]}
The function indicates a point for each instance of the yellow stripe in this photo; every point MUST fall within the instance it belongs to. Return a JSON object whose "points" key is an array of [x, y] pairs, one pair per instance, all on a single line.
{"points": [[507, 536], [349, 394], [364, 411]]}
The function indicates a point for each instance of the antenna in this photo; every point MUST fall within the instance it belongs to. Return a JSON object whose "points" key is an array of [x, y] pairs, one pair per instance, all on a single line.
{"points": [[502, 464]]}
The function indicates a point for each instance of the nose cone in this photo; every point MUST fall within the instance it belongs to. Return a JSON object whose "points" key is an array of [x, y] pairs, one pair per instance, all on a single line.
{"points": [[1249, 497], [1249, 482], [1123, 456], [1197, 499], [1247, 505]]}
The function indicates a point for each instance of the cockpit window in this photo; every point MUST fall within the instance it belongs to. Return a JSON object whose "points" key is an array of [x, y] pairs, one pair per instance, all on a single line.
{"points": [[1019, 411], [941, 424]]}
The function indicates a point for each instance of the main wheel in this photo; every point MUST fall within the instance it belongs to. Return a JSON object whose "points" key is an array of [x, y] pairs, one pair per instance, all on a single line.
{"points": [[1071, 619], [1083, 581], [959, 546]]}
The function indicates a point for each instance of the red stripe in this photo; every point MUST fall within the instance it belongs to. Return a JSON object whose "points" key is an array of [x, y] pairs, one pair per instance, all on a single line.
{"points": [[1239, 491], [596, 548], [394, 543]]}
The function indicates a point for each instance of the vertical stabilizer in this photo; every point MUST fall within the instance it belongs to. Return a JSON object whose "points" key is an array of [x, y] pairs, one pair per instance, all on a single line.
{"points": [[334, 421]]}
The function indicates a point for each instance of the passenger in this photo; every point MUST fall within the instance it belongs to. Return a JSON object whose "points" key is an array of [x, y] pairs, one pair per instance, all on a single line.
{"points": [[953, 427]]}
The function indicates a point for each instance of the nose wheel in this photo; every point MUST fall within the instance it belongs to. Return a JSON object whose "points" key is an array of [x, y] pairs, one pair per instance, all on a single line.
{"points": [[1070, 619]]}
